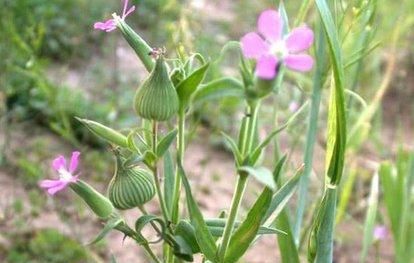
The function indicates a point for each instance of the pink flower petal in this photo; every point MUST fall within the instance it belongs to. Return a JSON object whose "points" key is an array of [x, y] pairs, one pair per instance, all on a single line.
{"points": [[132, 9], [300, 62], [270, 25], [74, 161], [253, 46], [266, 67], [54, 190], [106, 26], [49, 183], [125, 7], [301, 38], [59, 163]]}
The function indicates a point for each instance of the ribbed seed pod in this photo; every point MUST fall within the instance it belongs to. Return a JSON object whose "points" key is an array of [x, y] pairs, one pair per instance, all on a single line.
{"points": [[157, 98], [130, 188]]}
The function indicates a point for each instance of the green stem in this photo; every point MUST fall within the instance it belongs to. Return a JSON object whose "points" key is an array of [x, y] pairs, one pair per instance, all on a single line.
{"points": [[151, 253], [311, 136], [155, 172], [177, 183], [140, 239], [241, 180], [235, 205], [254, 110], [180, 157]]}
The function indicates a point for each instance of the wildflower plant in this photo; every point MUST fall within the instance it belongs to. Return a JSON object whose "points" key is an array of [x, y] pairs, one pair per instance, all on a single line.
{"points": [[166, 98]]}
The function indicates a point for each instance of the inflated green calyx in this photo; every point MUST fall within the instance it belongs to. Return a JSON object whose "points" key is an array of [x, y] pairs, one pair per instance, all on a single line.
{"points": [[156, 98], [130, 187]]}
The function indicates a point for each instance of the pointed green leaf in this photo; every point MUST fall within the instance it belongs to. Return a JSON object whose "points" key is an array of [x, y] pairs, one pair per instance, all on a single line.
{"points": [[261, 174], [247, 231], [188, 86], [321, 236], [254, 156], [165, 143], [203, 235], [233, 146], [282, 196], [311, 136], [187, 232], [182, 249], [336, 119], [218, 89], [288, 251], [217, 231], [169, 180], [111, 224], [370, 218]]}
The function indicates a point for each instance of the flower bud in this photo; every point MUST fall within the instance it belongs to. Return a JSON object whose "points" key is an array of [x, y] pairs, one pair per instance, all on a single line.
{"points": [[138, 44], [106, 133], [99, 204], [157, 98], [130, 188]]}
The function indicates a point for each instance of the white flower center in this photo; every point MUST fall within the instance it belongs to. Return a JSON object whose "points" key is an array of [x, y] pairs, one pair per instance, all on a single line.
{"points": [[279, 49], [65, 175]]}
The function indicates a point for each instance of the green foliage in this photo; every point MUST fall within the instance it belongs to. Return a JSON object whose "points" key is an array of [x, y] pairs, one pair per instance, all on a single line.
{"points": [[203, 235], [397, 180], [61, 37], [46, 246]]}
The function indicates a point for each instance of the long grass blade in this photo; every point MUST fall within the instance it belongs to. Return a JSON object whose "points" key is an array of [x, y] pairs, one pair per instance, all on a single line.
{"points": [[370, 217]]}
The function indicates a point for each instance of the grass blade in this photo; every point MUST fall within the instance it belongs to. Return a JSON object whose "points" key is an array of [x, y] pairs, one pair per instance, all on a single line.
{"points": [[321, 239], [203, 235], [247, 231], [318, 81], [169, 180], [370, 218]]}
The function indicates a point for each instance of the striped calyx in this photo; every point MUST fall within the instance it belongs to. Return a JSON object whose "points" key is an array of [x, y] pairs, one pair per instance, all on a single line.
{"points": [[130, 187], [157, 98]]}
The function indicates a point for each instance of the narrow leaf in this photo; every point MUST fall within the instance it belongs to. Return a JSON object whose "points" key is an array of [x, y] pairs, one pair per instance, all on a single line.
{"points": [[111, 224], [218, 89], [370, 218], [247, 231], [321, 237], [169, 180], [282, 196], [288, 250], [188, 86], [165, 143], [203, 235], [261, 174], [254, 156], [233, 147]]}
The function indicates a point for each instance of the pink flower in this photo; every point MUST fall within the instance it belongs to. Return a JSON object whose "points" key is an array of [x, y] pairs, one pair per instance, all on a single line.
{"points": [[110, 24], [380, 232], [65, 174], [269, 47], [293, 106]]}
